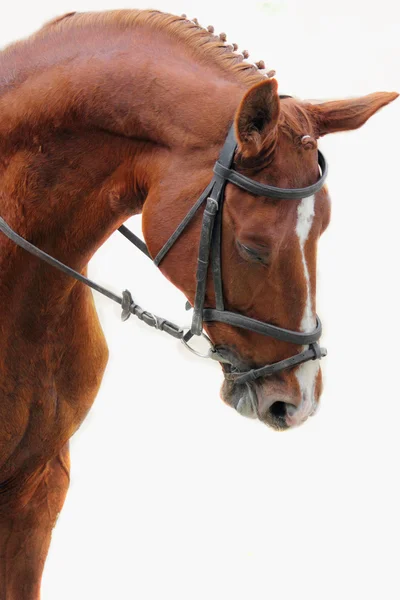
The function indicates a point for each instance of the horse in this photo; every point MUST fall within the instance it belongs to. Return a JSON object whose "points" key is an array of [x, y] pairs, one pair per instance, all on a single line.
{"points": [[108, 115]]}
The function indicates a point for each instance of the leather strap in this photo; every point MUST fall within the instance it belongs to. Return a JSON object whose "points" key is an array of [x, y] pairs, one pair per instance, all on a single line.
{"points": [[278, 333], [128, 305], [269, 191], [202, 264], [314, 352], [216, 261], [213, 208], [226, 158], [135, 240], [23, 243], [182, 225]]}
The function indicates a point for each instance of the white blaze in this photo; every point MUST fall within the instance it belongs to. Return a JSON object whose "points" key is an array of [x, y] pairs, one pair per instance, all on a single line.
{"points": [[305, 217], [307, 372]]}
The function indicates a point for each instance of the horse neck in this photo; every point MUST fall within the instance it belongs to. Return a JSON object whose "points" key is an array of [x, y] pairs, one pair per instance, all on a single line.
{"points": [[74, 170], [139, 82]]}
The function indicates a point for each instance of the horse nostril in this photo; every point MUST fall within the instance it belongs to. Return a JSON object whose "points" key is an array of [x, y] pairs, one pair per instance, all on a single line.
{"points": [[278, 409], [282, 409]]}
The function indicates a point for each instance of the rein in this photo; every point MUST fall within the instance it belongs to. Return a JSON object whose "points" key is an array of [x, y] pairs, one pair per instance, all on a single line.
{"points": [[209, 254]]}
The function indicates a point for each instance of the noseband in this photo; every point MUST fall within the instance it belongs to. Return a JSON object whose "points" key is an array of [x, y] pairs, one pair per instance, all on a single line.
{"points": [[210, 257]]}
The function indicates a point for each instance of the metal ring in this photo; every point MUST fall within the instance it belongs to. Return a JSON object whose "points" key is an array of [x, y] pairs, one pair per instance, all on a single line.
{"points": [[193, 351]]}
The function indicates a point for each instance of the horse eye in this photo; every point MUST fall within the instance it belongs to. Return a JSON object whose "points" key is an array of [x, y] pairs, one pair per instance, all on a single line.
{"points": [[258, 255]]}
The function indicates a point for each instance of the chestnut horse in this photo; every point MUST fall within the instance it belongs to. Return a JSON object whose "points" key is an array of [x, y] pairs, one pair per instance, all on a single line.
{"points": [[103, 116]]}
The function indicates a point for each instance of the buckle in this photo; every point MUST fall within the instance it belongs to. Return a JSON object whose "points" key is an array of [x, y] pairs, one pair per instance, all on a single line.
{"points": [[126, 304]]}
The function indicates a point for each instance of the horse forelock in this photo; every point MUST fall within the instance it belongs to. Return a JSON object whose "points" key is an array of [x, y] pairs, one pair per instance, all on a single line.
{"points": [[295, 120]]}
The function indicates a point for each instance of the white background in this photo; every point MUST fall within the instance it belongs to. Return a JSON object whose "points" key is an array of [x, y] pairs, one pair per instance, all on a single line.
{"points": [[173, 495]]}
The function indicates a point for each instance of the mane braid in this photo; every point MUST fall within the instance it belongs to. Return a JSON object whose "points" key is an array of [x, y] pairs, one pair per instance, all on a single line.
{"points": [[202, 43]]}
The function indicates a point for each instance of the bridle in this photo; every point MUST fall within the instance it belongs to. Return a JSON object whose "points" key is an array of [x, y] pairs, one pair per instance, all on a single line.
{"points": [[209, 256]]}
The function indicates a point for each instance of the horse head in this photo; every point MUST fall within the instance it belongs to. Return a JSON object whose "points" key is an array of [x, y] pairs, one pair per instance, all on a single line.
{"points": [[268, 247]]}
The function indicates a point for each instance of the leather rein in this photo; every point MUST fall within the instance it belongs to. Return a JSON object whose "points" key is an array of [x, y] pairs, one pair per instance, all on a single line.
{"points": [[209, 256]]}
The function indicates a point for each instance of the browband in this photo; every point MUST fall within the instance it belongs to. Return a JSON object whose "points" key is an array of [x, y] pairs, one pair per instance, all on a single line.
{"points": [[262, 189]]}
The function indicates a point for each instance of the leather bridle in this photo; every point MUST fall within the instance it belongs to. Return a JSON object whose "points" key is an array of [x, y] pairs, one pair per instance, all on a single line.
{"points": [[209, 256]]}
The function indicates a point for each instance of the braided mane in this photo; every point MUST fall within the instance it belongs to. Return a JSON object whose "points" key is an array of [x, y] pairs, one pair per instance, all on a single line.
{"points": [[200, 41]]}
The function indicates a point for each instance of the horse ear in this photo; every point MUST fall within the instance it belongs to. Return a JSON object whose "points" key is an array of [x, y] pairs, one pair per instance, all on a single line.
{"points": [[256, 117], [343, 115]]}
